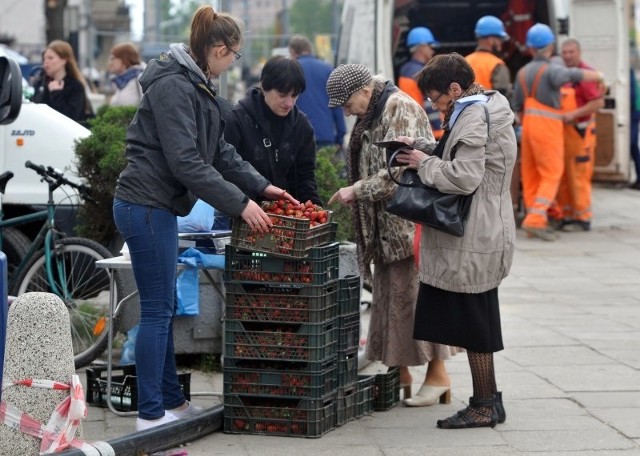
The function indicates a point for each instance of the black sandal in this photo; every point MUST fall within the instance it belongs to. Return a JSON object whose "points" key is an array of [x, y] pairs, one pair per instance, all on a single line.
{"points": [[473, 416]]}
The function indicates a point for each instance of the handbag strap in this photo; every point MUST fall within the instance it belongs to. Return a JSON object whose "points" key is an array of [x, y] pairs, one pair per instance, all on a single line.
{"points": [[438, 150]]}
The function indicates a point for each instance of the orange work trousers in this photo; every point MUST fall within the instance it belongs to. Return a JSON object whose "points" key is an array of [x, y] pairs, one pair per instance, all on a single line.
{"points": [[574, 193], [541, 160]]}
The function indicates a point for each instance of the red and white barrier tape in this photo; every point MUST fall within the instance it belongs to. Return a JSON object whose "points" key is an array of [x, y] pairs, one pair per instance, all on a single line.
{"points": [[59, 432]]}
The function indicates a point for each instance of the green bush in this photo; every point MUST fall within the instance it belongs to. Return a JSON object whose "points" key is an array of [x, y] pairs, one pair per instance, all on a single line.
{"points": [[329, 172], [100, 158]]}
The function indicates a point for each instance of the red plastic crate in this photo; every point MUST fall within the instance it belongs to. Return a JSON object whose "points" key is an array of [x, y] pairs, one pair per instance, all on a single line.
{"points": [[286, 303], [289, 237], [319, 268], [281, 417], [313, 380], [280, 341]]}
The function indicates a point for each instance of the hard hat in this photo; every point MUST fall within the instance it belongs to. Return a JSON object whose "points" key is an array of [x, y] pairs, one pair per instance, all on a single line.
{"points": [[421, 35], [539, 36], [490, 26]]}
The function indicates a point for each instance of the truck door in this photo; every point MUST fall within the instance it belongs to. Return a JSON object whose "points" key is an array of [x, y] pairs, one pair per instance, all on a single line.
{"points": [[602, 28]]}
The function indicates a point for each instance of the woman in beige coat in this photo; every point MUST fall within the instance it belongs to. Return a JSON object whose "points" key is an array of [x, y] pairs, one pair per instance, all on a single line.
{"points": [[458, 298]]}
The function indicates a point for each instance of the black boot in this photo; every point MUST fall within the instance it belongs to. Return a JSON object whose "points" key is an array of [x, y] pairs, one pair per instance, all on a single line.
{"points": [[502, 415], [479, 413]]}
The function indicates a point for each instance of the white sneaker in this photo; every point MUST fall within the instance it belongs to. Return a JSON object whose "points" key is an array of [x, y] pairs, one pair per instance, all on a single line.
{"points": [[191, 411], [143, 425]]}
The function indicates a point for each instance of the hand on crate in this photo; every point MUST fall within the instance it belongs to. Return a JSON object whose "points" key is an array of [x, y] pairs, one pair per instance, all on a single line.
{"points": [[274, 193], [256, 218]]}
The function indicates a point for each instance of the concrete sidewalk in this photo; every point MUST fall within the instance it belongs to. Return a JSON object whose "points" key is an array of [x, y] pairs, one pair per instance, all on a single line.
{"points": [[569, 374]]}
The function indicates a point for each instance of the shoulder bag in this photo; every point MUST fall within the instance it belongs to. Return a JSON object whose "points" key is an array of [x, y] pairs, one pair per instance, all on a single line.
{"points": [[415, 201]]}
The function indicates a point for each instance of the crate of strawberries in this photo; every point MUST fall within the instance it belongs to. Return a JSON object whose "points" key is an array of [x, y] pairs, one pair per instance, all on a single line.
{"points": [[296, 229]]}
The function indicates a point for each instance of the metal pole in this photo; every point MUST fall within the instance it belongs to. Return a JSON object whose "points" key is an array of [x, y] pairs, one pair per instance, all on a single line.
{"points": [[225, 5], [285, 23]]}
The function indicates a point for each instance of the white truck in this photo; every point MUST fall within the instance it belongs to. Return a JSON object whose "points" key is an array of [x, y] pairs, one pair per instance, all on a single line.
{"points": [[373, 33]]}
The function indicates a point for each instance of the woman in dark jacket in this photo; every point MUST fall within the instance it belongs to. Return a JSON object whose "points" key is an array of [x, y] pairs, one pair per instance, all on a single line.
{"points": [[63, 86], [176, 153], [269, 131]]}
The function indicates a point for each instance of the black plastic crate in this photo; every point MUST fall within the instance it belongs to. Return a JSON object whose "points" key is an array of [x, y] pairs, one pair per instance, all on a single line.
{"points": [[280, 417], [346, 405], [312, 380], [124, 389], [347, 368], [288, 237], [349, 334], [291, 303], [280, 341], [349, 295], [319, 268], [386, 390], [364, 395]]}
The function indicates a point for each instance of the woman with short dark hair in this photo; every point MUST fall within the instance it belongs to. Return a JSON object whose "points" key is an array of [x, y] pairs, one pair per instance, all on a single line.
{"points": [[271, 133]]}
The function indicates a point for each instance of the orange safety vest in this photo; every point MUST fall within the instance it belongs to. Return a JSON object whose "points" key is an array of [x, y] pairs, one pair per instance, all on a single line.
{"points": [[542, 154], [483, 64]]}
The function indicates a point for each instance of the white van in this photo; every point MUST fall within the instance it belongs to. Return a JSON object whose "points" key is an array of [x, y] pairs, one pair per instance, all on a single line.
{"points": [[373, 33]]}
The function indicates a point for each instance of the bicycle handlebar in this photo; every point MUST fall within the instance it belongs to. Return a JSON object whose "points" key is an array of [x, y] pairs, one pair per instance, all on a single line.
{"points": [[55, 177]]}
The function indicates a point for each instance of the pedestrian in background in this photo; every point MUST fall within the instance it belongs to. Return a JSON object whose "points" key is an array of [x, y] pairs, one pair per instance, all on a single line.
{"points": [[63, 88], [537, 100], [422, 46], [634, 102], [270, 132], [176, 153], [126, 66], [459, 276], [579, 103], [490, 70], [328, 123], [383, 112]]}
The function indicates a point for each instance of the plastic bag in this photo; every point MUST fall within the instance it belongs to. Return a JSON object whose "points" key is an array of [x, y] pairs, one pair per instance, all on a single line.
{"points": [[199, 220]]}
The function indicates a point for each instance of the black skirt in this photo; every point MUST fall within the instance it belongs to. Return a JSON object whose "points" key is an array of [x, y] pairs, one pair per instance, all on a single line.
{"points": [[470, 321]]}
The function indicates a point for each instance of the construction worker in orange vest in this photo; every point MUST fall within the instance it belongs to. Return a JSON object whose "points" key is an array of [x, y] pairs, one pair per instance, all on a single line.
{"points": [[537, 100], [491, 71], [422, 46], [580, 101]]}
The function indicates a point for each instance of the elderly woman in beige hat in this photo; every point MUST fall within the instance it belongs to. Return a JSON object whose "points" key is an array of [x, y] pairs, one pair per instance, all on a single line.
{"points": [[383, 239]]}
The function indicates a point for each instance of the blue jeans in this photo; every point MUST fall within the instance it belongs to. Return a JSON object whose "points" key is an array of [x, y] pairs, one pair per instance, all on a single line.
{"points": [[152, 237]]}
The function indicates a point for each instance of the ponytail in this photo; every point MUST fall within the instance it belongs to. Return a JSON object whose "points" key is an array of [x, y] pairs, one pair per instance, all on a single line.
{"points": [[210, 28]]}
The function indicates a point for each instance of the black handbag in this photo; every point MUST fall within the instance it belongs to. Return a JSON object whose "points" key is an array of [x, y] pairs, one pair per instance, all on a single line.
{"points": [[415, 201]]}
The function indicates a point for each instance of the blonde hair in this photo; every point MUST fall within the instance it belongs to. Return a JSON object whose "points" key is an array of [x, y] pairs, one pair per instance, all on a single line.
{"points": [[209, 28]]}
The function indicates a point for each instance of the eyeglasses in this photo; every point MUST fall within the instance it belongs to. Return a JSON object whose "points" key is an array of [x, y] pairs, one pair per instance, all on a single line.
{"points": [[435, 100], [237, 54]]}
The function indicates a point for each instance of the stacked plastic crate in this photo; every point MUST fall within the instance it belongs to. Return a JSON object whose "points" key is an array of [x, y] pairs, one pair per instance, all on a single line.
{"points": [[281, 330], [348, 338]]}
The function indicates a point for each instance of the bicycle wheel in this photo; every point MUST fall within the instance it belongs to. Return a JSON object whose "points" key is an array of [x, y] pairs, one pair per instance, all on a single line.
{"points": [[15, 247], [87, 289]]}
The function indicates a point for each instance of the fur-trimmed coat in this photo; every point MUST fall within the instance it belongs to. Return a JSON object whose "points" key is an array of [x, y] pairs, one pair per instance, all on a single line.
{"points": [[387, 238]]}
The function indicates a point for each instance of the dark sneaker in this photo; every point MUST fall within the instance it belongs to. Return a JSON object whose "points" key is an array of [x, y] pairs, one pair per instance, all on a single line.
{"points": [[576, 226]]}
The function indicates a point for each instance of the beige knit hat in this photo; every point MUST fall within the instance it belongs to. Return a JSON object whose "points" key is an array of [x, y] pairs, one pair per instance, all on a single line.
{"points": [[344, 81]]}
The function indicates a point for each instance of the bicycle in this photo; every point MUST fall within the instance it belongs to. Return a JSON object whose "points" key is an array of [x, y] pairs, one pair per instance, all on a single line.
{"points": [[64, 266]]}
